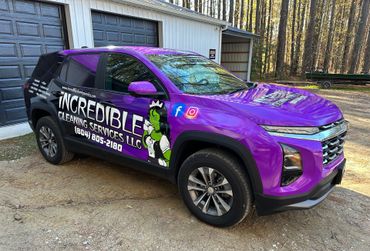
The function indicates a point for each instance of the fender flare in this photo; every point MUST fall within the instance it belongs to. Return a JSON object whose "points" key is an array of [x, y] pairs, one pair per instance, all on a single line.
{"points": [[46, 108], [229, 143]]}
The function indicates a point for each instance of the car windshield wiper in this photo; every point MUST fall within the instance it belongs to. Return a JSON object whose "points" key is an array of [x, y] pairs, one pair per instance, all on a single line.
{"points": [[250, 85]]}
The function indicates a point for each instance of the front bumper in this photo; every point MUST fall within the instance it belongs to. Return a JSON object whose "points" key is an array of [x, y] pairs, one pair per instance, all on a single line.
{"points": [[271, 204]]}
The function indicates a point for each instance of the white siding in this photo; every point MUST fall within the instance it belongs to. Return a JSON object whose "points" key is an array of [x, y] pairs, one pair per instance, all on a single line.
{"points": [[174, 32]]}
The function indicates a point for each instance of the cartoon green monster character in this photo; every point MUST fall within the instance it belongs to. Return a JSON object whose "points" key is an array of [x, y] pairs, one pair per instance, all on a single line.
{"points": [[156, 134]]}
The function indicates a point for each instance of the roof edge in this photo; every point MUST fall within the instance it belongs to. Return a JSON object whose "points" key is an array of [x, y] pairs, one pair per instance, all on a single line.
{"points": [[174, 11]]}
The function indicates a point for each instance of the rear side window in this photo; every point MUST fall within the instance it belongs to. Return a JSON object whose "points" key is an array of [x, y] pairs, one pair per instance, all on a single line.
{"points": [[47, 66], [80, 70], [123, 69]]}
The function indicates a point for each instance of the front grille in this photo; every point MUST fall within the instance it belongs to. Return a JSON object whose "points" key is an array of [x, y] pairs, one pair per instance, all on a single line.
{"points": [[332, 148]]}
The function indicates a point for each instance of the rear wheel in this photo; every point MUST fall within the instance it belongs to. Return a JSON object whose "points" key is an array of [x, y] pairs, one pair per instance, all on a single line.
{"points": [[50, 141], [215, 187]]}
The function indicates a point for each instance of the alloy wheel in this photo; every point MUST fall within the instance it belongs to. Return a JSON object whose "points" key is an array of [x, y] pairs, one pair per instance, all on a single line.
{"points": [[210, 191], [48, 141]]}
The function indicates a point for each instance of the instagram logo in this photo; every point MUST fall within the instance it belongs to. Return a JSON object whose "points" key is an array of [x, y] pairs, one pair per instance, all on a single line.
{"points": [[191, 112]]}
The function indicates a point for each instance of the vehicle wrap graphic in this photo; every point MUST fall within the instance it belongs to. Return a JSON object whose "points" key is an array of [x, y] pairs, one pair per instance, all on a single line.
{"points": [[118, 129], [156, 134]]}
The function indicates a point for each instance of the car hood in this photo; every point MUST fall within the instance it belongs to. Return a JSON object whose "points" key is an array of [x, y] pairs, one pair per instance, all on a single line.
{"points": [[269, 104]]}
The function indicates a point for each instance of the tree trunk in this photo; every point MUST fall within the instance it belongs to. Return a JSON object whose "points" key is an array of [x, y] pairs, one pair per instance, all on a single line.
{"points": [[211, 7], [258, 17], [318, 35], [223, 10], [196, 5], [268, 40], [347, 43], [280, 53], [231, 12], [308, 45], [219, 9], [327, 54], [292, 45], [242, 15], [236, 13], [299, 41], [200, 6], [366, 66], [251, 17], [359, 36]]}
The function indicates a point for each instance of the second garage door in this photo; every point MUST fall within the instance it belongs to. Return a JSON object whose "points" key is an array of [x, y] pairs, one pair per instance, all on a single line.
{"points": [[110, 29]]}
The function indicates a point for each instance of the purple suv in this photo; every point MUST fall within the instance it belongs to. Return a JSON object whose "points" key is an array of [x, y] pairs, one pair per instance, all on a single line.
{"points": [[228, 144]]}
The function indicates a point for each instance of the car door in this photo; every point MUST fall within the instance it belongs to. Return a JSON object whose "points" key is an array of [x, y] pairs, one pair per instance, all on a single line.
{"points": [[76, 95], [134, 125]]}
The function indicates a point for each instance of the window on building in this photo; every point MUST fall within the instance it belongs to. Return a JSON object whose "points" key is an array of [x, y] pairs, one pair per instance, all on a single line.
{"points": [[123, 69]]}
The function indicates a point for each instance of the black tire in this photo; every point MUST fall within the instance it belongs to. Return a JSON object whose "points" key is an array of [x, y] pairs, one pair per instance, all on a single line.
{"points": [[61, 155], [228, 166]]}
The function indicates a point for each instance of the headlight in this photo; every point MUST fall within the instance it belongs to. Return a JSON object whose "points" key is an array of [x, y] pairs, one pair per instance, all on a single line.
{"points": [[291, 129], [292, 165]]}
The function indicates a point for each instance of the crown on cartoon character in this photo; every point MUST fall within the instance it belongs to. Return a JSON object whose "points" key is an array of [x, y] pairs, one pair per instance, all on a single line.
{"points": [[156, 104]]}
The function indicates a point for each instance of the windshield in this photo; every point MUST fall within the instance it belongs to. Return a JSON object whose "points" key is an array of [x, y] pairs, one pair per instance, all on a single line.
{"points": [[195, 74]]}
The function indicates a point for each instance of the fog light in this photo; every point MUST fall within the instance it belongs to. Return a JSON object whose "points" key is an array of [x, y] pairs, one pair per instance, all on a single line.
{"points": [[292, 165]]}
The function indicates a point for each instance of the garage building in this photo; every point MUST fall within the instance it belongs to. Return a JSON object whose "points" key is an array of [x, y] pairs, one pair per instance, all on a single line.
{"points": [[29, 28]]}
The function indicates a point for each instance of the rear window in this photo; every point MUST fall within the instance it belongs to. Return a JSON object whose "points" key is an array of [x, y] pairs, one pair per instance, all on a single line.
{"points": [[46, 66], [80, 70]]}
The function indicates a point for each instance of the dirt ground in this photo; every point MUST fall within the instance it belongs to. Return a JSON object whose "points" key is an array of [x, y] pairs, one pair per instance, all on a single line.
{"points": [[95, 205]]}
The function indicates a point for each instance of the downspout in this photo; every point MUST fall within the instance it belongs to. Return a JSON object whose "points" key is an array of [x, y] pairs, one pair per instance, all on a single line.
{"points": [[223, 28], [250, 59]]}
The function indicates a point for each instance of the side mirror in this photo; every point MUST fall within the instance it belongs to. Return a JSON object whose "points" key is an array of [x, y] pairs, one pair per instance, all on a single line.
{"points": [[143, 88]]}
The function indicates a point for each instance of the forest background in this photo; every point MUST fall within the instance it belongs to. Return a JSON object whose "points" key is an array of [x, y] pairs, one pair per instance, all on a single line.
{"points": [[298, 36]]}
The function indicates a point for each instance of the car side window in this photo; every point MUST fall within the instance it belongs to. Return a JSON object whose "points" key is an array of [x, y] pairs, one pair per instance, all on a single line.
{"points": [[123, 69], [80, 70]]}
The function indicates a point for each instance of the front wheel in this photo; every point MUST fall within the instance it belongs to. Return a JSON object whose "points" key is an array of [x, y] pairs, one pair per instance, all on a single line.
{"points": [[215, 187]]}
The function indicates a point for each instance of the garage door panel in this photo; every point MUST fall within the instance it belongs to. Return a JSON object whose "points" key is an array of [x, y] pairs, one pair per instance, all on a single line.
{"points": [[10, 72], [8, 50], [25, 7], [49, 10], [11, 93], [127, 37], [28, 69], [27, 30], [53, 31], [30, 50], [15, 115], [113, 36], [52, 48], [4, 5], [126, 22], [6, 27], [112, 29]]}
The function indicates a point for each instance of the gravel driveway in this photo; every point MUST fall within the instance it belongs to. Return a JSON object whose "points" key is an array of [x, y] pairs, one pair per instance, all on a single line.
{"points": [[92, 204]]}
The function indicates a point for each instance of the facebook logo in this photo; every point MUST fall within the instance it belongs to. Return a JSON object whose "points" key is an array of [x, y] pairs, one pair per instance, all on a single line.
{"points": [[178, 110]]}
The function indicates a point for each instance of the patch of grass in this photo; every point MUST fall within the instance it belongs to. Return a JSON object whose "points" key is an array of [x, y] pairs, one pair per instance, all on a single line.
{"points": [[16, 148], [351, 88], [310, 87], [338, 88]]}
